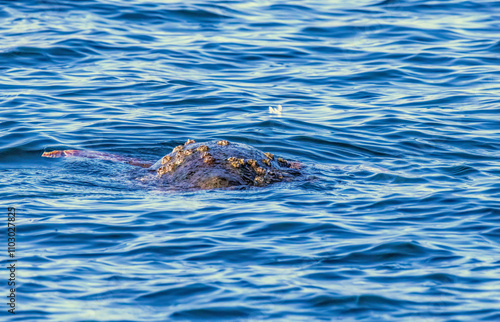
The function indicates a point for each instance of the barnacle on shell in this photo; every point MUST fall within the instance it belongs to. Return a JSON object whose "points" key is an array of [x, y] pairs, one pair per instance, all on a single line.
{"points": [[209, 159], [252, 163], [166, 159], [222, 142], [259, 180], [178, 148], [269, 155], [283, 162], [202, 148], [260, 171], [164, 169]]}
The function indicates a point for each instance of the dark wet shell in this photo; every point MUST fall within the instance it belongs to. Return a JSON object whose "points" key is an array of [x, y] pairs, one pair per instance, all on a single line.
{"points": [[210, 165]]}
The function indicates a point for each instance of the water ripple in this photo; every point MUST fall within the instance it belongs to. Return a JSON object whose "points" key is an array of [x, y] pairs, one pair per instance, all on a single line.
{"points": [[391, 106]]}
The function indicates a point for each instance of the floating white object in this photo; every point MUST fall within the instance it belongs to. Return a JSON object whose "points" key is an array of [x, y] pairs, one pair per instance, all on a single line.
{"points": [[276, 110]]}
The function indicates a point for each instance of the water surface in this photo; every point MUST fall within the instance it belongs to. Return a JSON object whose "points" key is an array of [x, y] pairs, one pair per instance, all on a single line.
{"points": [[392, 105]]}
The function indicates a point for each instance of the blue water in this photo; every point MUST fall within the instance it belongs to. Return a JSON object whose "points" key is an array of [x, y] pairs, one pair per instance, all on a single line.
{"points": [[392, 106]]}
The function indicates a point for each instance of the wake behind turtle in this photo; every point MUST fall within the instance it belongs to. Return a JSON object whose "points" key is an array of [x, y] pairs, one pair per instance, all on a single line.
{"points": [[207, 165]]}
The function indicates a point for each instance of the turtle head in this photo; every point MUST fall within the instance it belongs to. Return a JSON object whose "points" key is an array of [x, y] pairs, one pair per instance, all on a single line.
{"points": [[53, 154]]}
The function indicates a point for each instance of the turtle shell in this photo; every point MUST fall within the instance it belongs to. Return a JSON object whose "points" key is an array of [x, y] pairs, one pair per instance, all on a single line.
{"points": [[220, 164]]}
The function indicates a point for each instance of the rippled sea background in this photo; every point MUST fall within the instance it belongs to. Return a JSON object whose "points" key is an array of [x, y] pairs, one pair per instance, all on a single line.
{"points": [[392, 106]]}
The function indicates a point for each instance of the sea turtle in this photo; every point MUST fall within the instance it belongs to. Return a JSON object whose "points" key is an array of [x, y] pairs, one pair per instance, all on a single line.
{"points": [[207, 165]]}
